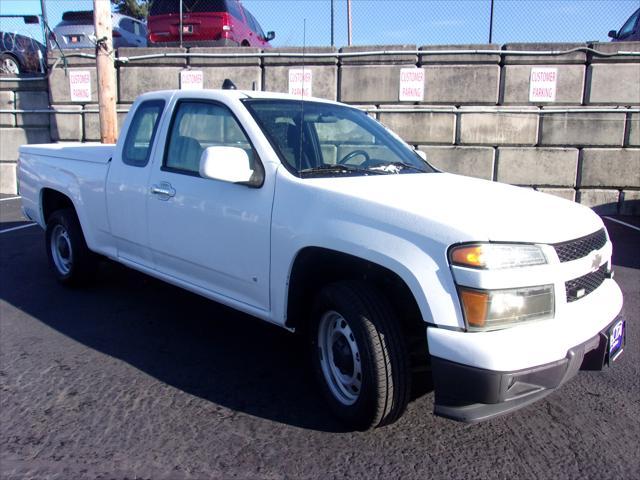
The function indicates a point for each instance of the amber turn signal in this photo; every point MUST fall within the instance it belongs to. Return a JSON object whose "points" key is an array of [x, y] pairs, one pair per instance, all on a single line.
{"points": [[469, 256], [475, 306]]}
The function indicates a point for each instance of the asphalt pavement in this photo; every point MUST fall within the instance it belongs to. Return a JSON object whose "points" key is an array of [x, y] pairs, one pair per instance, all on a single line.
{"points": [[133, 378]]}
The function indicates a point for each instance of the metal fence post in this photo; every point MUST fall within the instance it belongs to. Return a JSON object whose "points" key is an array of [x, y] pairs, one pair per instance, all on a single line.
{"points": [[491, 24]]}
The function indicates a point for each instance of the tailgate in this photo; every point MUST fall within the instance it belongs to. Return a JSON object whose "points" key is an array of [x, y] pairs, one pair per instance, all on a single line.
{"points": [[195, 26]]}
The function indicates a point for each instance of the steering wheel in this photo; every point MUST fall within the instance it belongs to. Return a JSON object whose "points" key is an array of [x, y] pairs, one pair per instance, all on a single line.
{"points": [[354, 154]]}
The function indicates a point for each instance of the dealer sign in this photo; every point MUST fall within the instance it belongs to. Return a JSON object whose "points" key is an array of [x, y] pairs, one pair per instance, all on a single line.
{"points": [[80, 85], [411, 85], [542, 84]]}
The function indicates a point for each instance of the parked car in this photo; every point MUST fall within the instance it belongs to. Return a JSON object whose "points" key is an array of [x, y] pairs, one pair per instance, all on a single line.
{"points": [[76, 30], [210, 23], [630, 31], [21, 54], [316, 218]]}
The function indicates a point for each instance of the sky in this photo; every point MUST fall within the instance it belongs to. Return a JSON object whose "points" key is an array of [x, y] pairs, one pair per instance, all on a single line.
{"points": [[393, 22]]}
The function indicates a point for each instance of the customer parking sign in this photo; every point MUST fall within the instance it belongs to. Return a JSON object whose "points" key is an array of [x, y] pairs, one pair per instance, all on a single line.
{"points": [[542, 84]]}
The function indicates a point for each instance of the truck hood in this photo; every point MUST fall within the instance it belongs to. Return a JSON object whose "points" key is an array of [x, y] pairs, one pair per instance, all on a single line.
{"points": [[462, 208]]}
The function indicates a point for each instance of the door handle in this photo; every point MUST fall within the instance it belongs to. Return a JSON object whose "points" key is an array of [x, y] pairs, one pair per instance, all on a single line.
{"points": [[164, 190]]}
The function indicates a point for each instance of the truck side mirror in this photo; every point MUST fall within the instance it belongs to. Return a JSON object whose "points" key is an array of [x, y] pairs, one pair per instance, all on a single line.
{"points": [[270, 36], [227, 164], [613, 33]]}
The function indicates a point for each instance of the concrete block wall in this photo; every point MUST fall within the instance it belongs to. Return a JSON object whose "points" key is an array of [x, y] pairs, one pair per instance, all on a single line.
{"points": [[18, 129], [476, 117], [324, 71], [479, 119]]}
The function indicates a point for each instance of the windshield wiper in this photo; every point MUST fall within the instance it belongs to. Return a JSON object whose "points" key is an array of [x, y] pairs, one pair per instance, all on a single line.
{"points": [[340, 168], [408, 166]]}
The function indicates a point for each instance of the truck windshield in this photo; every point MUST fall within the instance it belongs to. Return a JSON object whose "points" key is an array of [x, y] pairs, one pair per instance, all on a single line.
{"points": [[321, 139]]}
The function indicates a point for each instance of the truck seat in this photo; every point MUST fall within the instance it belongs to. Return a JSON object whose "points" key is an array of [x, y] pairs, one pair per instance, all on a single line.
{"points": [[185, 153]]}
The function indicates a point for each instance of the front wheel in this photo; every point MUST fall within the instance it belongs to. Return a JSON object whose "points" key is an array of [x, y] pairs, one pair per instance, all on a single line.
{"points": [[359, 355], [69, 257]]}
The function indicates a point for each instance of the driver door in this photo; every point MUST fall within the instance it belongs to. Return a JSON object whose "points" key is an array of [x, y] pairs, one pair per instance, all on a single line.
{"points": [[210, 234]]}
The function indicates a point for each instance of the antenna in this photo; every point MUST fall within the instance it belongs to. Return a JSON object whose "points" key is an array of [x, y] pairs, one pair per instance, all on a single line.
{"points": [[304, 45]]}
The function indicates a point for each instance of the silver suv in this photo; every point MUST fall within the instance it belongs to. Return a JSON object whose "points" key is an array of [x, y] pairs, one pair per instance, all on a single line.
{"points": [[76, 30]]}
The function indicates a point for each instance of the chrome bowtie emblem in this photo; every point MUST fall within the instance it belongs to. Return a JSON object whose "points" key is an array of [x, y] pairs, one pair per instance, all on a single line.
{"points": [[595, 263]]}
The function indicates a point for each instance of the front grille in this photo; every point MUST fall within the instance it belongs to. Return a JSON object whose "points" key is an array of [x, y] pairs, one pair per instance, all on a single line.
{"points": [[582, 286], [581, 247]]}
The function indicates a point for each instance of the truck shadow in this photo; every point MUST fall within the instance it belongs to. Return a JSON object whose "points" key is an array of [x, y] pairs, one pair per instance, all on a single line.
{"points": [[181, 339], [625, 241]]}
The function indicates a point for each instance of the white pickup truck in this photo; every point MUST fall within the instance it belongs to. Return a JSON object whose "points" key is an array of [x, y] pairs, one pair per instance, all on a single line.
{"points": [[313, 216]]}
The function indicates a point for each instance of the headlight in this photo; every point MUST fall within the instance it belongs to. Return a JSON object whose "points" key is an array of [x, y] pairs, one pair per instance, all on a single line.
{"points": [[492, 309], [494, 256]]}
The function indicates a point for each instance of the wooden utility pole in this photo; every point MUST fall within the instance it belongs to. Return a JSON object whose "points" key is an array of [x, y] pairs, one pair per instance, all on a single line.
{"points": [[105, 67]]}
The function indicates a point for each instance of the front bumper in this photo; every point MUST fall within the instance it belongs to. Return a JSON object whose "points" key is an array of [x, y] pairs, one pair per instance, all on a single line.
{"points": [[472, 394]]}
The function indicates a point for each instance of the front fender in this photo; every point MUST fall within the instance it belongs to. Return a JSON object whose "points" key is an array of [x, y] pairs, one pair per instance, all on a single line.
{"points": [[416, 264]]}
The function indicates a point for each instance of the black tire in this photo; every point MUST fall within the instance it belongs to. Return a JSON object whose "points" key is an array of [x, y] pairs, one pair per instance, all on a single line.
{"points": [[385, 387], [9, 64], [69, 257]]}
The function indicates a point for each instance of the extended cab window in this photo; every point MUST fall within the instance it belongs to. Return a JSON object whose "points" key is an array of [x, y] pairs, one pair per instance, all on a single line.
{"points": [[198, 125], [137, 145]]}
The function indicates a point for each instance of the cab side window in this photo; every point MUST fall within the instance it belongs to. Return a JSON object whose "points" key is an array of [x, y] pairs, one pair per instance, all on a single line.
{"points": [[137, 29], [196, 126], [137, 145], [127, 25]]}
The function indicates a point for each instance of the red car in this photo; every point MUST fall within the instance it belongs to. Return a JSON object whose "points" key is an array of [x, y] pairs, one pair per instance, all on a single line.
{"points": [[205, 23]]}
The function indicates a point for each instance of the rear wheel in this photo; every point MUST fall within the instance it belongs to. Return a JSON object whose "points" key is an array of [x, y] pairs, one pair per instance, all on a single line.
{"points": [[359, 355], [69, 257]]}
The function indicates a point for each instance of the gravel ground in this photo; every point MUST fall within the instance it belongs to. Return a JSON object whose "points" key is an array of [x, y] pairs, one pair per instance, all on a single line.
{"points": [[132, 378]]}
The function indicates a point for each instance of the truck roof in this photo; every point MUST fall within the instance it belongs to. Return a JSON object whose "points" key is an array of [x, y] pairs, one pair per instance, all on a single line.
{"points": [[235, 94]]}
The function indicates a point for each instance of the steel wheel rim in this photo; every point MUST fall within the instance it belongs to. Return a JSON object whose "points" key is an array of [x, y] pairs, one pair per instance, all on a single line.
{"points": [[10, 66], [339, 358], [61, 250]]}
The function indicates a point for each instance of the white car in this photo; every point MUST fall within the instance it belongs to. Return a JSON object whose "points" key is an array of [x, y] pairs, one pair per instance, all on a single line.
{"points": [[313, 216]]}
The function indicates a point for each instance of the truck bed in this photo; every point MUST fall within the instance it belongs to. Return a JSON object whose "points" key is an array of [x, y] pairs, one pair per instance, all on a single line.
{"points": [[87, 152], [77, 170]]}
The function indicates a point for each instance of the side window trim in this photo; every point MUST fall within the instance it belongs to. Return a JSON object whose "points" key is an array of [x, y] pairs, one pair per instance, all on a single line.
{"points": [[131, 135], [174, 116]]}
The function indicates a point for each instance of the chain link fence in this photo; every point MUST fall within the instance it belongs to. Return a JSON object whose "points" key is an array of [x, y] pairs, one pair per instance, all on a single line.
{"points": [[25, 24]]}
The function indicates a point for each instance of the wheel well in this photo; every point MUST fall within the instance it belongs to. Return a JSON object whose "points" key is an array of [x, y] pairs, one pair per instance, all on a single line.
{"points": [[52, 200], [316, 267], [245, 43]]}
